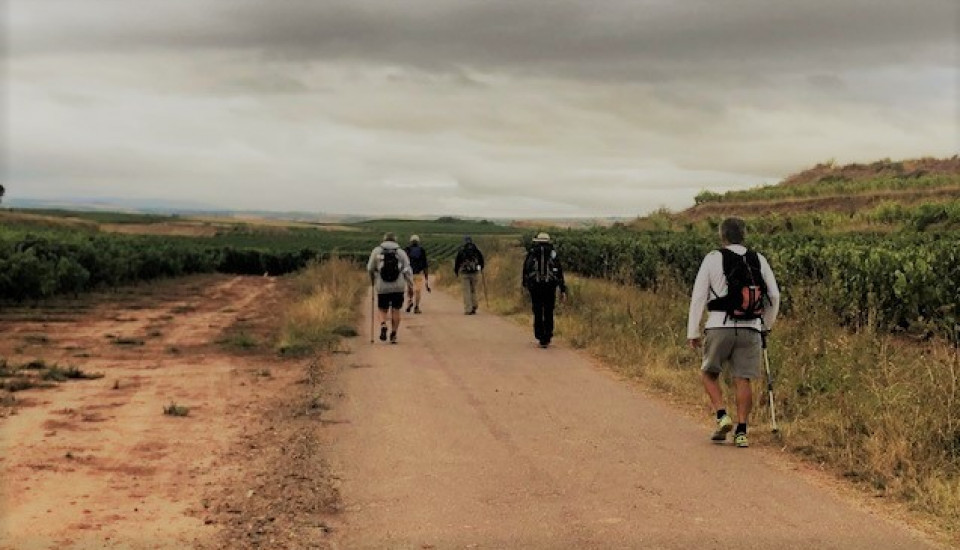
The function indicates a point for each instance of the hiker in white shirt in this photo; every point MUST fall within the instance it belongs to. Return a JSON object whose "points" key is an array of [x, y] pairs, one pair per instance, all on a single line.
{"points": [[740, 292]]}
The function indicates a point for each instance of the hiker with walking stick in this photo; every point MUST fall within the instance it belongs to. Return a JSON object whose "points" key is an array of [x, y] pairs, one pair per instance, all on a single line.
{"points": [[469, 265], [542, 276], [738, 289], [390, 274]]}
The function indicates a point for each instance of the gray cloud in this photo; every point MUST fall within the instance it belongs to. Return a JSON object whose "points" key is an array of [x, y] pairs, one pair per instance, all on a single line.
{"points": [[608, 107], [622, 39]]}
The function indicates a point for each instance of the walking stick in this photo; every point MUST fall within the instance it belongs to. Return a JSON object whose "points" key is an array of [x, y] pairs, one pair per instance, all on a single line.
{"points": [[483, 281], [373, 297], [766, 361]]}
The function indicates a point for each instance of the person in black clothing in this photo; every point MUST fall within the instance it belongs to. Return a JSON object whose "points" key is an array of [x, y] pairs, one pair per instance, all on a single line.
{"points": [[542, 276], [421, 272], [469, 263]]}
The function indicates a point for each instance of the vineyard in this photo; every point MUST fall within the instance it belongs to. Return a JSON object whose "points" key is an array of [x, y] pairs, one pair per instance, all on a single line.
{"points": [[42, 260], [902, 282]]}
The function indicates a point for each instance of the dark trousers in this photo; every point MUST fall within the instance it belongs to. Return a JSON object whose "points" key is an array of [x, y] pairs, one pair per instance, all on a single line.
{"points": [[544, 299]]}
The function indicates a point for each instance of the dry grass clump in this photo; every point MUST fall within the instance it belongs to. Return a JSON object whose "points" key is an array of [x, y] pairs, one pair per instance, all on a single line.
{"points": [[878, 409], [327, 308]]}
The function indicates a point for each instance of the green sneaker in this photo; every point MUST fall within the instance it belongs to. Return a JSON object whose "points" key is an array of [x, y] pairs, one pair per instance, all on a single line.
{"points": [[724, 425], [740, 440]]}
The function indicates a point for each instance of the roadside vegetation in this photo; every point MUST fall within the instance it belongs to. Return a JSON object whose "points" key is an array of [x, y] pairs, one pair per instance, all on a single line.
{"points": [[65, 252], [865, 354], [325, 308], [876, 408]]}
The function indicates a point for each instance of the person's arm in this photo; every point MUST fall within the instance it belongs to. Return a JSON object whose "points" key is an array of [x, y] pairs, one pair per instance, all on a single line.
{"points": [[562, 281], [772, 308], [698, 301], [406, 270], [480, 259], [457, 262], [372, 264]]}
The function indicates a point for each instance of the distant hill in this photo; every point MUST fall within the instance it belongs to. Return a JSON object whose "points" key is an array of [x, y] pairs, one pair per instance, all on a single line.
{"points": [[845, 189]]}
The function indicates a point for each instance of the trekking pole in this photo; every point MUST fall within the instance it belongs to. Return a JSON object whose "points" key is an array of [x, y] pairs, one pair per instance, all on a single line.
{"points": [[373, 296], [486, 298], [766, 361]]}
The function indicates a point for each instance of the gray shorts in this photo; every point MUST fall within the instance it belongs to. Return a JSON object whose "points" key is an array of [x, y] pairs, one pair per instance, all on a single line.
{"points": [[739, 348]]}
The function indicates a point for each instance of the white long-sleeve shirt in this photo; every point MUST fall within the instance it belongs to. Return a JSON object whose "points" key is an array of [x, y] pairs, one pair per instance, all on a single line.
{"points": [[710, 277]]}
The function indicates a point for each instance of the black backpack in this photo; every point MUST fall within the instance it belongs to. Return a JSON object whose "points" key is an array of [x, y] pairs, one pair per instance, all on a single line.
{"points": [[471, 260], [746, 290], [541, 266], [389, 265]]}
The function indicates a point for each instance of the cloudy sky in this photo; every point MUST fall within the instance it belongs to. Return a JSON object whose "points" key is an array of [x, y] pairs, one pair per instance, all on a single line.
{"points": [[466, 107]]}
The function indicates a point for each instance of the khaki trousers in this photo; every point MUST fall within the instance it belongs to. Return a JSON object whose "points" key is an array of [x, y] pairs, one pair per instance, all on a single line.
{"points": [[471, 291]]}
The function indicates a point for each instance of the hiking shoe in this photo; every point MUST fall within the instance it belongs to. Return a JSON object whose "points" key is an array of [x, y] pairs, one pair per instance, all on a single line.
{"points": [[383, 333], [409, 307], [473, 311], [740, 440], [724, 425], [544, 344], [393, 337], [417, 310]]}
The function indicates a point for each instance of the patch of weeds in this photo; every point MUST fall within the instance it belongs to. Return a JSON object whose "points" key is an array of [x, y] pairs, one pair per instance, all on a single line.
{"points": [[36, 339], [116, 384], [173, 350], [36, 364], [60, 374], [21, 383], [176, 410], [19, 350], [295, 350], [154, 334], [128, 341], [346, 331], [239, 340], [7, 400], [83, 355], [183, 309], [265, 373]]}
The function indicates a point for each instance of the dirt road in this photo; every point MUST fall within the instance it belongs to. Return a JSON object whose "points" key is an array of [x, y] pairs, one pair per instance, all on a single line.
{"points": [[95, 464], [466, 435]]}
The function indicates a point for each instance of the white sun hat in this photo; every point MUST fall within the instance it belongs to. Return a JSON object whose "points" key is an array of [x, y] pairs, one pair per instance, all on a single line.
{"points": [[542, 238]]}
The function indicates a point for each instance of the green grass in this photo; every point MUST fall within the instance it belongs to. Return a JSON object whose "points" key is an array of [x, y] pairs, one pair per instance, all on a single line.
{"points": [[176, 410]]}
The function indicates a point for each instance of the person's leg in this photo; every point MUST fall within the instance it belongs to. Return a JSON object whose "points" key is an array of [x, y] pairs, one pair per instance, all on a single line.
{"points": [[717, 347], [549, 304], [417, 289], [711, 383], [383, 306], [474, 291], [396, 304], [467, 296], [537, 302], [744, 402], [745, 365]]}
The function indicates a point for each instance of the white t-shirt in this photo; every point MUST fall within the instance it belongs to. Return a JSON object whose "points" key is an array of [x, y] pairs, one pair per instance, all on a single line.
{"points": [[710, 277]]}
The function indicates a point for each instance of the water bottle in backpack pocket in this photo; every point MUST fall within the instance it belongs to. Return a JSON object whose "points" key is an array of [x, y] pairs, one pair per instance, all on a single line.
{"points": [[746, 290]]}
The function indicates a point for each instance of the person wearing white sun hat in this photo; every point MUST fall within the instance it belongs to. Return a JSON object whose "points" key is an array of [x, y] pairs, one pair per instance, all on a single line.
{"points": [[542, 276]]}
